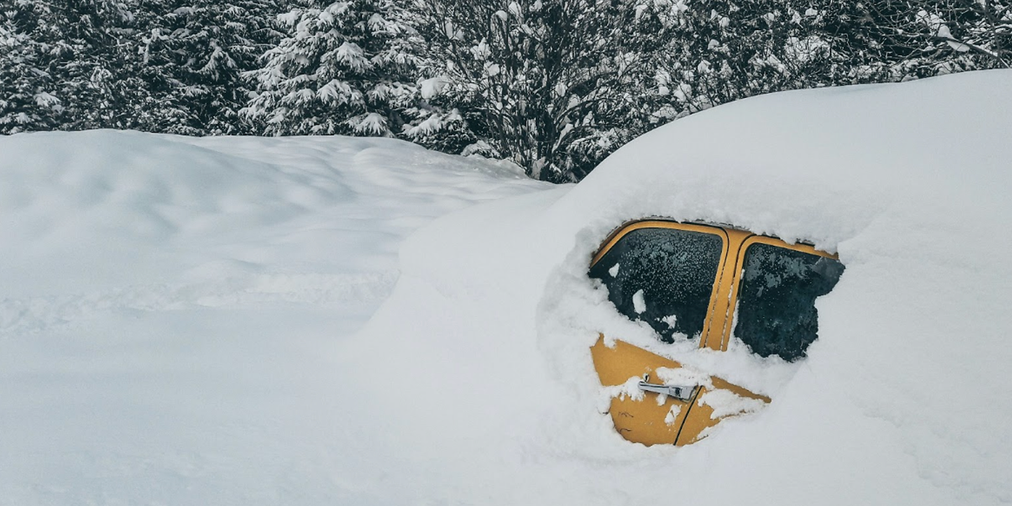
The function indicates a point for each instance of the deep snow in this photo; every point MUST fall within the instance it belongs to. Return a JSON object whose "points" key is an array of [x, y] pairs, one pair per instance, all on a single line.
{"points": [[200, 321], [170, 308], [902, 399]]}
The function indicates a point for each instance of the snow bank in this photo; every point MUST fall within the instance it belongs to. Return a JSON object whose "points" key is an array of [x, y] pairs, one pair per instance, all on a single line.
{"points": [[177, 315], [901, 399], [104, 211], [171, 309]]}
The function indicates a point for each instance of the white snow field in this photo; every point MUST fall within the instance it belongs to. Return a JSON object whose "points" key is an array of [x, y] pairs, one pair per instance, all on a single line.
{"points": [[229, 321], [172, 309]]}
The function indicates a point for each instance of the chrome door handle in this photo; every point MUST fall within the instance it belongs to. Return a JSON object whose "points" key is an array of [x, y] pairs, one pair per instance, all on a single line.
{"points": [[680, 392]]}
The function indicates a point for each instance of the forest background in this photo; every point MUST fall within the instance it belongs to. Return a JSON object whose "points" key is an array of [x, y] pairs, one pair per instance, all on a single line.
{"points": [[552, 85]]}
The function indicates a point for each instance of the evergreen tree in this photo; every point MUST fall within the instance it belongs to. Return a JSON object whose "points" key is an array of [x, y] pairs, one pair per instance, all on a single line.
{"points": [[551, 85], [343, 68], [56, 63], [723, 51], [190, 56], [27, 100]]}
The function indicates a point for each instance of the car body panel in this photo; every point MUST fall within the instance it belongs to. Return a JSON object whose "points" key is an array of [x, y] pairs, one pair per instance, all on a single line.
{"points": [[643, 417]]}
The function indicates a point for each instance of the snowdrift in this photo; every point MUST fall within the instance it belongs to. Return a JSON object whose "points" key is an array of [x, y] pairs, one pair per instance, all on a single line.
{"points": [[228, 320], [901, 400], [171, 308]]}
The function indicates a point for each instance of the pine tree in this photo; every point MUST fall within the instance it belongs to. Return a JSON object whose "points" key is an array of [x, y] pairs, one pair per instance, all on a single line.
{"points": [[190, 55], [56, 64], [344, 68], [553, 85], [723, 51], [27, 100]]}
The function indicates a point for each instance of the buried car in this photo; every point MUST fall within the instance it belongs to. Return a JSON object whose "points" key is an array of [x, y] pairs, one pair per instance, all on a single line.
{"points": [[700, 282], [874, 370]]}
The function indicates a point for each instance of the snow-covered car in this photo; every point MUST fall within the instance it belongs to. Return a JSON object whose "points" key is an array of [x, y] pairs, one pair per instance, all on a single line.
{"points": [[203, 316], [502, 312], [706, 284]]}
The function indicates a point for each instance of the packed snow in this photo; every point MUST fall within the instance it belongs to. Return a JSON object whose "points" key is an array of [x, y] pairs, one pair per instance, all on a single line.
{"points": [[899, 401], [172, 308], [264, 321]]}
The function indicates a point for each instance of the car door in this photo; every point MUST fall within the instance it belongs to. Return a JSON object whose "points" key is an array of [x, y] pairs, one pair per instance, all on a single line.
{"points": [[688, 281], [656, 418]]}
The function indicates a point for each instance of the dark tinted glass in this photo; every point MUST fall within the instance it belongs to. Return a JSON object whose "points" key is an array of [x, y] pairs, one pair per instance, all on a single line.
{"points": [[776, 300], [663, 277]]}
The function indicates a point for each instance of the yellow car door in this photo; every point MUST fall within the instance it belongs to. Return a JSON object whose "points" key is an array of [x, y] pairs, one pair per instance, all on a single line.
{"points": [[687, 281], [660, 418]]}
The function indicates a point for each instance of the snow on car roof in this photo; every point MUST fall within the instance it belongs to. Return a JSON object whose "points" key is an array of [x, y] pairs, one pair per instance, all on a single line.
{"points": [[831, 159], [901, 399]]}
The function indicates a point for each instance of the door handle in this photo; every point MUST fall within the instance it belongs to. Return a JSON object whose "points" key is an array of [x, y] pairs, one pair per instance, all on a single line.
{"points": [[680, 392]]}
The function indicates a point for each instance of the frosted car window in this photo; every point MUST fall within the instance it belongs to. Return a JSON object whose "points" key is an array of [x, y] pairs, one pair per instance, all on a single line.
{"points": [[776, 300], [663, 277]]}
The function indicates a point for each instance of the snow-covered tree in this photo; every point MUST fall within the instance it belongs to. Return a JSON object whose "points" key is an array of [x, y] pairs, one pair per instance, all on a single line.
{"points": [[26, 86], [553, 85], [191, 54], [722, 51], [347, 67], [55, 63], [930, 37]]}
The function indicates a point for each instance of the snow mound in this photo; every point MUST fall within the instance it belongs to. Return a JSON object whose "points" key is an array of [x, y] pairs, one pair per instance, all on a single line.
{"points": [[100, 214], [172, 309], [900, 399], [185, 320]]}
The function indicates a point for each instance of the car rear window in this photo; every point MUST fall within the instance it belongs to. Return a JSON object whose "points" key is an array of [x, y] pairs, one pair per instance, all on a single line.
{"points": [[663, 277], [776, 312]]}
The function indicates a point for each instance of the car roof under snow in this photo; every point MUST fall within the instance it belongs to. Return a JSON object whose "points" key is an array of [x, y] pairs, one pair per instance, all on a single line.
{"points": [[819, 164], [903, 397]]}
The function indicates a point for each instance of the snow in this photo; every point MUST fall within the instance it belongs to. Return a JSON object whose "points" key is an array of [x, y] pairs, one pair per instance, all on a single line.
{"points": [[432, 87], [673, 413], [430, 125], [172, 309], [639, 302], [670, 320], [900, 398], [727, 403], [44, 99], [263, 321], [335, 91], [353, 56], [371, 123], [630, 389], [683, 376]]}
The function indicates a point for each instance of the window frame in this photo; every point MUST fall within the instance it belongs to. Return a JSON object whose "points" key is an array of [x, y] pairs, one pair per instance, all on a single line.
{"points": [[739, 271], [720, 315], [717, 230]]}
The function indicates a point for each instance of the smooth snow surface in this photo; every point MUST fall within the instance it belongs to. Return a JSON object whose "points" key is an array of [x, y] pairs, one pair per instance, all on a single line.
{"points": [[195, 321], [902, 400], [172, 309]]}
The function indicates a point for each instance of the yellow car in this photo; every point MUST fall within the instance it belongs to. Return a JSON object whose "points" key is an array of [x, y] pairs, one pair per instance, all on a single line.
{"points": [[708, 283]]}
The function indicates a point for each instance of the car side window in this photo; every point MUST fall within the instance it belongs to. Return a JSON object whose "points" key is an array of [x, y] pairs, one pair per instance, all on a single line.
{"points": [[776, 312], [662, 276]]}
